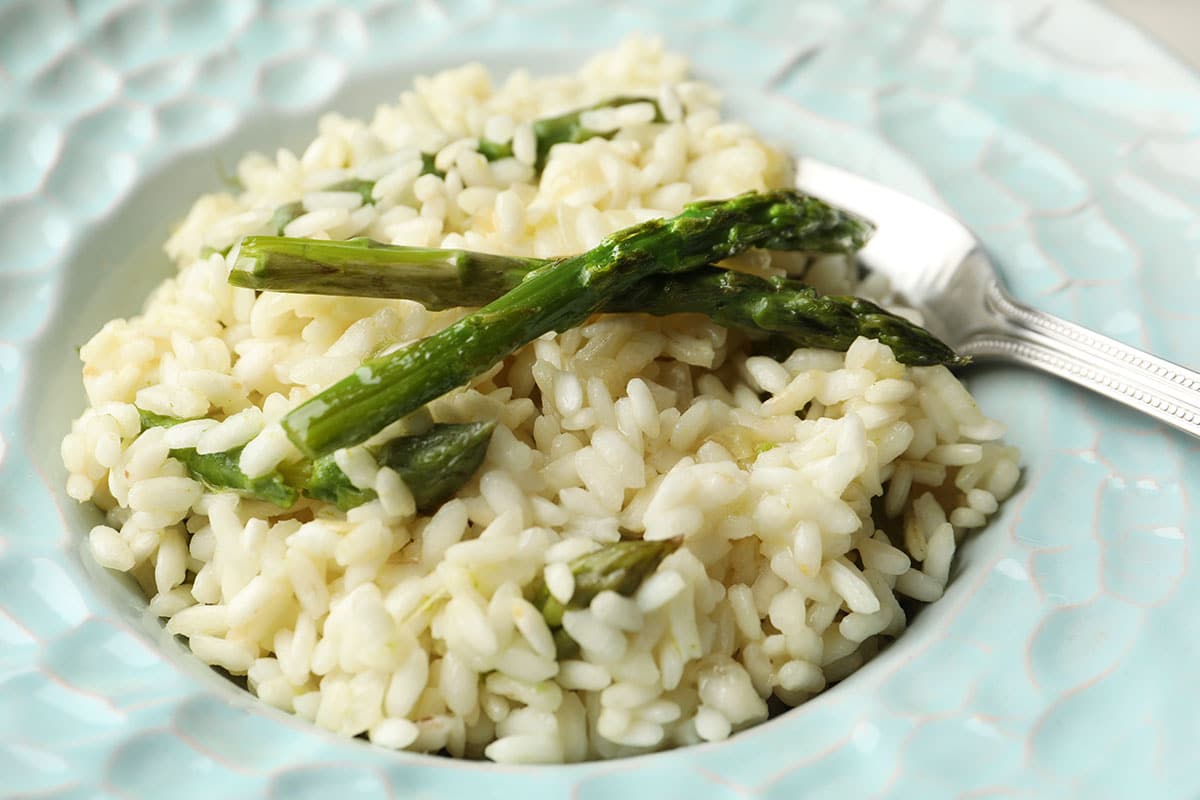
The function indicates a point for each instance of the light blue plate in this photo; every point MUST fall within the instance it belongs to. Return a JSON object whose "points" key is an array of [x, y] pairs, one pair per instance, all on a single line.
{"points": [[1063, 660]]}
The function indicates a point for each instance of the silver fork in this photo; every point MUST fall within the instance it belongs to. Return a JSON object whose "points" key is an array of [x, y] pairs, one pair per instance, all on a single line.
{"points": [[940, 268]]}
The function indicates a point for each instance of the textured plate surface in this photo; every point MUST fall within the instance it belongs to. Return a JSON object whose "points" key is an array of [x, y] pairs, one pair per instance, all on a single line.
{"points": [[1062, 660]]}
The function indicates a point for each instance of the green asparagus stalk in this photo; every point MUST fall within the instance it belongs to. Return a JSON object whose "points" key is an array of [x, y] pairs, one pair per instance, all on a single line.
{"points": [[436, 278], [788, 309], [433, 465], [620, 567], [559, 296], [446, 278], [220, 471]]}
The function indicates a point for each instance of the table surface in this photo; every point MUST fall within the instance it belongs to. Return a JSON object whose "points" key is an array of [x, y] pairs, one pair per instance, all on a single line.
{"points": [[1175, 23]]}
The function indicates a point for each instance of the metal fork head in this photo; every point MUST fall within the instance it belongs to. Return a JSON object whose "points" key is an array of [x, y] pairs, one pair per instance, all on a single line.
{"points": [[940, 268], [928, 256]]}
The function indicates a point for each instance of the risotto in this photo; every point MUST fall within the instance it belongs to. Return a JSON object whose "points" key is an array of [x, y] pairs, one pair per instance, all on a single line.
{"points": [[806, 501]]}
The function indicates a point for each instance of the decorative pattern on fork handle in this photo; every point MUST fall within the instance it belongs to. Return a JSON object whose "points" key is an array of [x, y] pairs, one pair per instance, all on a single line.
{"points": [[1165, 391], [1111, 348]]}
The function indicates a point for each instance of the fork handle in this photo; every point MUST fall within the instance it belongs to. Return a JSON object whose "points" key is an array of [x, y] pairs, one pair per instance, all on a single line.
{"points": [[1164, 390]]}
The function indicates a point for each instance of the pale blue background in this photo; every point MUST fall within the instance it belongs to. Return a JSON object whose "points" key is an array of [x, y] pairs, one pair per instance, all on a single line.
{"points": [[1062, 661]]}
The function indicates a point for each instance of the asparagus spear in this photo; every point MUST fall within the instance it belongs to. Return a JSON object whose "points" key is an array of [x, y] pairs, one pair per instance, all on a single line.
{"points": [[433, 466], [558, 296], [796, 313], [620, 567], [445, 278], [220, 471]]}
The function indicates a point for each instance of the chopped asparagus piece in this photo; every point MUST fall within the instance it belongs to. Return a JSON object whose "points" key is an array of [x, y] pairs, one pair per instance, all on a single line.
{"points": [[220, 471], [620, 567], [433, 465], [283, 215]]}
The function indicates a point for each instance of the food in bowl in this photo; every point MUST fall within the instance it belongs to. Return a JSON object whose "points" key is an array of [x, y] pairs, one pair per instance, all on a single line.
{"points": [[670, 469]]}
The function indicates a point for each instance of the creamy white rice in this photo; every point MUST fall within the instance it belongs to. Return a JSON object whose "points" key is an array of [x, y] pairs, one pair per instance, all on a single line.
{"points": [[413, 630]]}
